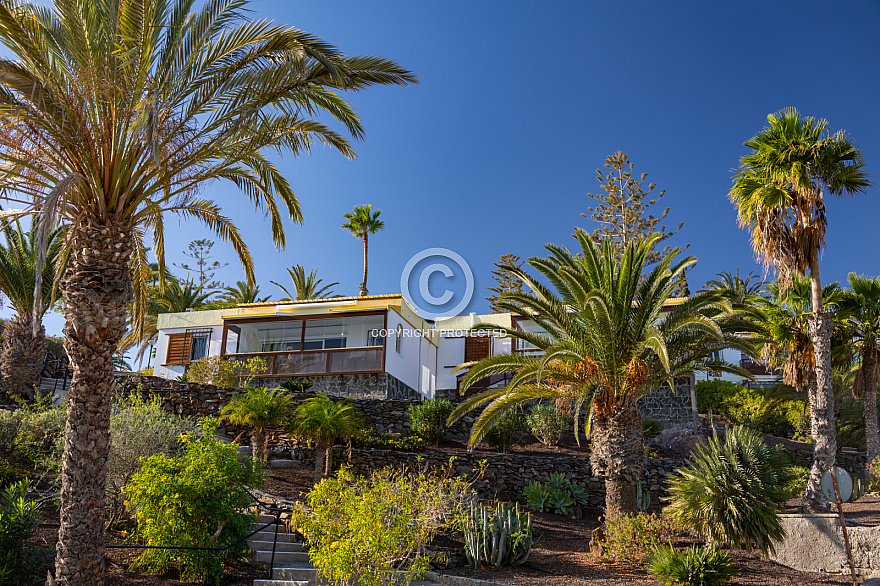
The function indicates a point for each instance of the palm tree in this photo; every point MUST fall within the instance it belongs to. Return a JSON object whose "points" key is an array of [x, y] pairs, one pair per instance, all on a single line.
{"points": [[607, 343], [116, 114], [260, 408], [735, 288], [306, 287], [24, 349], [362, 222], [780, 195], [322, 421], [239, 295], [860, 308]]}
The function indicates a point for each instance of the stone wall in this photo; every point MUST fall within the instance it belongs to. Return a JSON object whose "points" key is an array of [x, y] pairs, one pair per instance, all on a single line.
{"points": [[506, 475], [814, 543], [365, 386], [671, 408]]}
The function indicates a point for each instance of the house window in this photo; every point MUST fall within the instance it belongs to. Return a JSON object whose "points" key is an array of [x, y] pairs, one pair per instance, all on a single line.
{"points": [[398, 338], [187, 347], [477, 348]]}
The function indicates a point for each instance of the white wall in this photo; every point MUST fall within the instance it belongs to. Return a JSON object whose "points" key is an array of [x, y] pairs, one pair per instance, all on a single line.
{"points": [[172, 372], [414, 365], [451, 353]]}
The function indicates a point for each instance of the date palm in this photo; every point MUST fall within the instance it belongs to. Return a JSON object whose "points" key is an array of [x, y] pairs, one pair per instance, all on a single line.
{"points": [[24, 351], [118, 114], [306, 286], [780, 194], [361, 222], [323, 421], [735, 288], [608, 342], [860, 309], [240, 294], [259, 408]]}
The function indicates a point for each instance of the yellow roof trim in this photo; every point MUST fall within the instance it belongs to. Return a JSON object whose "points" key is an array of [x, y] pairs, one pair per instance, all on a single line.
{"points": [[319, 301]]}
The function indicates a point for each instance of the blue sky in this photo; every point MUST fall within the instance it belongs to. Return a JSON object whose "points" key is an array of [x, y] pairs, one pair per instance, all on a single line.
{"points": [[520, 102]]}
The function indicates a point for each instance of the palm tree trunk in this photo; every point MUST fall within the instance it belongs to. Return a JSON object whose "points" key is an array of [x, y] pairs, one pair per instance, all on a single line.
{"points": [[328, 461], [869, 376], [364, 283], [822, 414], [320, 460], [259, 444], [22, 358], [96, 289], [618, 455]]}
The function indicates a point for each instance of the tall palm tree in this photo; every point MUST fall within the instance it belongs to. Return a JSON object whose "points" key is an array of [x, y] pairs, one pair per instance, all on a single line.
{"points": [[240, 294], [116, 114], [306, 286], [860, 309], [260, 408], [362, 222], [780, 195], [24, 351], [735, 288], [323, 421], [608, 342]]}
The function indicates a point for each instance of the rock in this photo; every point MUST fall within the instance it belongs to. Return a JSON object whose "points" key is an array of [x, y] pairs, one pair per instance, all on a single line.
{"points": [[281, 464]]}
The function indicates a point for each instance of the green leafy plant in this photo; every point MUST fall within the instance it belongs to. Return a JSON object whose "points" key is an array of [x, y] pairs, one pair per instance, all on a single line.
{"points": [[558, 481], [562, 502], [322, 421], [196, 499], [225, 372], [733, 491], [361, 529], [650, 428], [538, 496], [547, 423], [507, 432], [643, 497], [296, 386], [873, 473], [19, 516], [694, 566], [559, 495], [797, 484], [368, 438], [7, 473], [497, 539], [259, 408], [40, 436], [429, 417], [631, 538]]}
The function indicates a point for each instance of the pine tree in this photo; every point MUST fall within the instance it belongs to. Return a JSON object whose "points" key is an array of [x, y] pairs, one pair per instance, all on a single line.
{"points": [[623, 210], [505, 281], [206, 266]]}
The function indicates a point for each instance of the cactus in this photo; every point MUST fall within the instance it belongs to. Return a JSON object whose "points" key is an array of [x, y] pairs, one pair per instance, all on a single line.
{"points": [[504, 538], [643, 498], [858, 490]]}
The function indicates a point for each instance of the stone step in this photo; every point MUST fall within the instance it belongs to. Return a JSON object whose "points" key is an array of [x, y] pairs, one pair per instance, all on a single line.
{"points": [[297, 571], [282, 583], [263, 519], [280, 546], [268, 534], [282, 557]]}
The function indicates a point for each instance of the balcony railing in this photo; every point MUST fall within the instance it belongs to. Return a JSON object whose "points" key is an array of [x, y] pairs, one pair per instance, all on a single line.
{"points": [[318, 362], [756, 368]]}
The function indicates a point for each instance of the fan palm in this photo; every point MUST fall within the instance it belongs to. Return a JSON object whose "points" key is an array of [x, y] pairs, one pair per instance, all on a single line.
{"points": [[780, 195], [24, 350], [608, 342], [322, 421], [306, 286], [116, 114], [361, 222], [860, 309], [240, 294], [260, 408]]}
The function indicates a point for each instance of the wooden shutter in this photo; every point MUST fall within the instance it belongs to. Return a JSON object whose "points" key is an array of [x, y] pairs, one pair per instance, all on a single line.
{"points": [[179, 349], [476, 348]]}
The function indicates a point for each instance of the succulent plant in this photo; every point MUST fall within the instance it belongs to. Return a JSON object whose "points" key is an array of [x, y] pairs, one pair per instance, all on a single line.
{"points": [[500, 539], [538, 496], [643, 497]]}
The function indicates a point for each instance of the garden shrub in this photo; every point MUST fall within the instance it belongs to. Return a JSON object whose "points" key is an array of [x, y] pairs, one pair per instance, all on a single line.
{"points": [[694, 566], [874, 475], [296, 386], [750, 407], [40, 437], [732, 491], [508, 432], [559, 495], [713, 394], [360, 530], [225, 372], [196, 499], [547, 423], [429, 417], [138, 429], [19, 516], [631, 538], [797, 485], [7, 472], [368, 438], [650, 428]]}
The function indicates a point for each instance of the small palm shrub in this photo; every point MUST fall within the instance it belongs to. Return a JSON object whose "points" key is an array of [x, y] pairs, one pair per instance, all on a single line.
{"points": [[630, 538], [429, 417], [507, 433], [260, 408], [800, 476], [296, 386], [694, 566], [650, 428], [19, 516], [502, 538], [368, 438], [323, 421], [733, 491], [559, 495], [547, 423]]}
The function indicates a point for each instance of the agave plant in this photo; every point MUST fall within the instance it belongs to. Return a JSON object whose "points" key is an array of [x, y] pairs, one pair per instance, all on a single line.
{"points": [[501, 539]]}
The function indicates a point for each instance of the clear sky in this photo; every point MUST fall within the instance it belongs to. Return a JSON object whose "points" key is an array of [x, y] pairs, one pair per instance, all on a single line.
{"points": [[520, 102]]}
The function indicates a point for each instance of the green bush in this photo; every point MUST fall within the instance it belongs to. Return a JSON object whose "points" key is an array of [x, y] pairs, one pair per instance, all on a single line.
{"points": [[797, 485], [874, 475], [547, 423], [713, 394], [733, 491], [750, 407], [631, 538], [502, 538], [508, 432], [360, 530], [559, 495], [650, 428], [429, 417], [296, 386], [7, 472], [138, 429], [40, 437], [19, 516], [224, 372], [694, 566], [188, 500], [388, 441]]}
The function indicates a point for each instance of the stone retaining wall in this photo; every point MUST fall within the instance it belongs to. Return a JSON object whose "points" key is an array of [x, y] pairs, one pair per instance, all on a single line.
{"points": [[814, 543]]}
